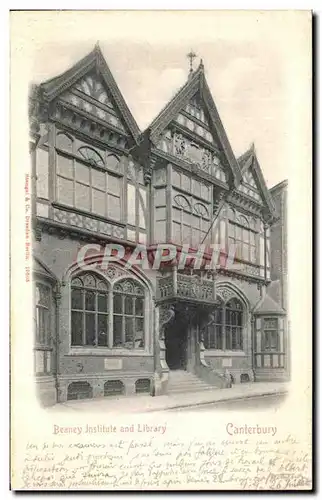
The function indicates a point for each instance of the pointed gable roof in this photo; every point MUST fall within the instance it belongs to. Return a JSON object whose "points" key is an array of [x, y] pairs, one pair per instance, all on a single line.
{"points": [[249, 160], [196, 82], [94, 60], [267, 305]]}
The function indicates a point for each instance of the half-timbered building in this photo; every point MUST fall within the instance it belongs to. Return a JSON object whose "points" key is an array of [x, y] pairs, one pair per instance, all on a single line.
{"points": [[97, 179]]}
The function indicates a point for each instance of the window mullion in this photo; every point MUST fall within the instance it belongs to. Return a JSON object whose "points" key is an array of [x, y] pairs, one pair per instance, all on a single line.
{"points": [[90, 189], [223, 320], [110, 318], [74, 183], [134, 319], [106, 194], [123, 319], [96, 318], [84, 317]]}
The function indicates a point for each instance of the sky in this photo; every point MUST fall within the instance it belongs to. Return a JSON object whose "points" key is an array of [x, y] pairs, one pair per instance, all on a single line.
{"points": [[252, 60]]}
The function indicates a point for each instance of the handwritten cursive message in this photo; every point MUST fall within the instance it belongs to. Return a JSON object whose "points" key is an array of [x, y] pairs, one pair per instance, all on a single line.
{"points": [[157, 462]]}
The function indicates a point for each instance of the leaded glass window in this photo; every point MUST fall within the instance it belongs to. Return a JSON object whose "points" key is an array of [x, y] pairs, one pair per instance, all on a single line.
{"points": [[242, 237], [43, 329], [81, 185], [128, 311], [43, 299], [234, 325], [105, 315], [190, 222], [271, 336], [89, 311], [226, 331]]}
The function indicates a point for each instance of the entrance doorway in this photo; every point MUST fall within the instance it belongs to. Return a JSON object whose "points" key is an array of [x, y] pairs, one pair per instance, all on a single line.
{"points": [[176, 336]]}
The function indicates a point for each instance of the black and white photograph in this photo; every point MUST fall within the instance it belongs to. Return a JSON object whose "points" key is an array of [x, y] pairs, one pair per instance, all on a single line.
{"points": [[157, 245]]}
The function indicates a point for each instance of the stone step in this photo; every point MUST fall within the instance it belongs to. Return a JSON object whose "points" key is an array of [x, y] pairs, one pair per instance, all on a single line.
{"points": [[181, 381], [187, 382], [180, 390]]}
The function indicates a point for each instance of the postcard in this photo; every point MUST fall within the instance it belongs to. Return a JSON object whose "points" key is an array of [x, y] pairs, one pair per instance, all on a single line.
{"points": [[161, 334]]}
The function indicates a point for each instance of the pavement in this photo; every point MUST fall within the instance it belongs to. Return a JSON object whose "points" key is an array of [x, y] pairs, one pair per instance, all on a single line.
{"points": [[143, 403]]}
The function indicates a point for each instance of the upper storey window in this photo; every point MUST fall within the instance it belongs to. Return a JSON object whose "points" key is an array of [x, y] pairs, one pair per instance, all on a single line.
{"points": [[136, 204], [86, 181], [191, 209], [92, 156], [242, 234]]}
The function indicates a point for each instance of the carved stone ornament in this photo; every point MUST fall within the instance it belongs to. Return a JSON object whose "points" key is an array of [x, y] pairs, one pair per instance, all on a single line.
{"points": [[166, 315], [114, 272], [203, 329], [225, 293]]}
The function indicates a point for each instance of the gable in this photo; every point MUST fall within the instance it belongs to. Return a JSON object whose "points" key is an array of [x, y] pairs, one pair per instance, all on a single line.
{"points": [[90, 95], [90, 87], [199, 136], [249, 186], [194, 117], [183, 147]]}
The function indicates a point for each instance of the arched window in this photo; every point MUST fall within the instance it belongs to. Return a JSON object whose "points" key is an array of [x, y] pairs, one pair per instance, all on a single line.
{"points": [[128, 311], [105, 315], [89, 307], [190, 223], [241, 237], [91, 156], [83, 186], [226, 330]]}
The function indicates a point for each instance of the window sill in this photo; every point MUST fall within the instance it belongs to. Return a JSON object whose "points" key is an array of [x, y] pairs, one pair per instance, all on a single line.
{"points": [[83, 351], [221, 354]]}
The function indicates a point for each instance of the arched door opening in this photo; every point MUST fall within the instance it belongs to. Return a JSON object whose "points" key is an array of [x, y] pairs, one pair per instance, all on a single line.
{"points": [[176, 336]]}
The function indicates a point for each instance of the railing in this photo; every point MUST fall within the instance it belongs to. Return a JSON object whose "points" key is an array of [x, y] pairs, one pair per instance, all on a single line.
{"points": [[194, 287]]}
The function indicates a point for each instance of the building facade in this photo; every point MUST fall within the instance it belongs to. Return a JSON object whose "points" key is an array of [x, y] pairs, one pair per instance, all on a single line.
{"points": [[97, 180]]}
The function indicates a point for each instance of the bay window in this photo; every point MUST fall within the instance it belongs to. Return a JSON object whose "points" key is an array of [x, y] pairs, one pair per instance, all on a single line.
{"points": [[270, 334]]}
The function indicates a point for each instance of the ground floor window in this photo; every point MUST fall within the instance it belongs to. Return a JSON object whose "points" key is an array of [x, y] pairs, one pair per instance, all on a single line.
{"points": [[106, 315], [270, 334], [269, 349], [226, 330], [43, 329]]}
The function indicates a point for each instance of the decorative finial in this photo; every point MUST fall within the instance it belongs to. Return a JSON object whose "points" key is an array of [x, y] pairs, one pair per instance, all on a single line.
{"points": [[252, 147], [191, 56], [201, 66]]}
